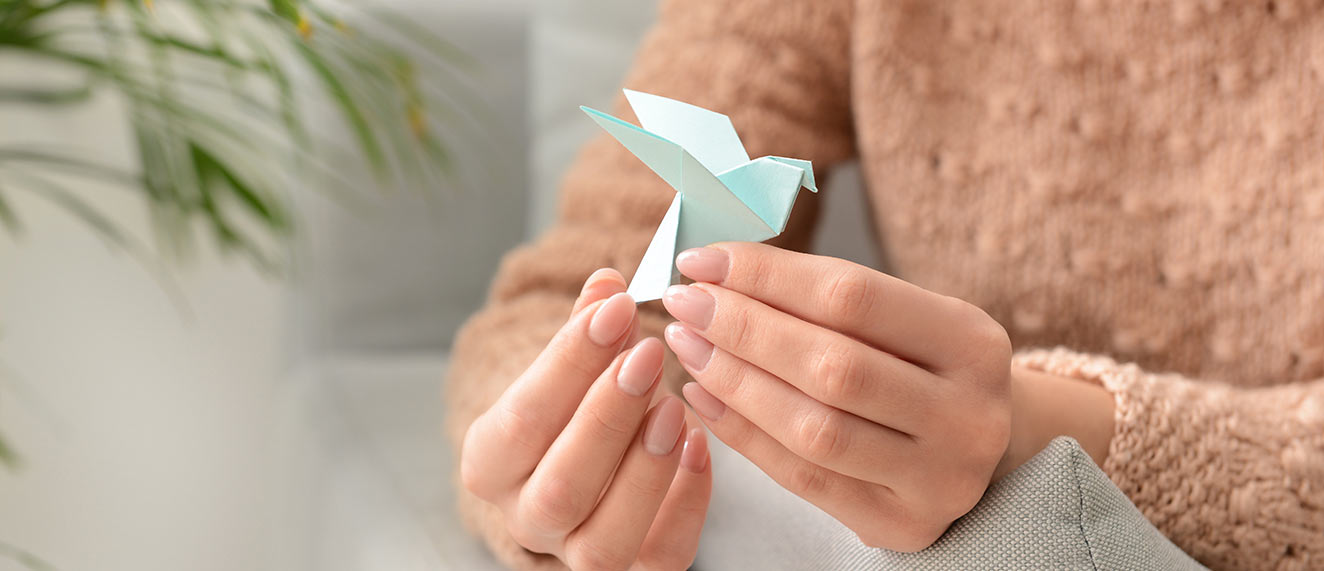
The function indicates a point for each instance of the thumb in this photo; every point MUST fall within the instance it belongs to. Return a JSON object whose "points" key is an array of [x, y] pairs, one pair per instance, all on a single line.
{"points": [[601, 284]]}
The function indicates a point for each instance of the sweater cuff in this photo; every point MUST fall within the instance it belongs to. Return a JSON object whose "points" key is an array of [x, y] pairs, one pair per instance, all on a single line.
{"points": [[1130, 394], [1221, 471]]}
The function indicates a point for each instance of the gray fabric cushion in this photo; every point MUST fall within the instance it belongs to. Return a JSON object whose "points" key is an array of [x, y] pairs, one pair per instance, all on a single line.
{"points": [[1058, 511]]}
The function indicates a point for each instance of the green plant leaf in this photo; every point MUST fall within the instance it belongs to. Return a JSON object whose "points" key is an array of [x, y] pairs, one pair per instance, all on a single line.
{"points": [[25, 558], [57, 159], [431, 43], [341, 95], [212, 170], [41, 96], [8, 457], [60, 196], [226, 166], [8, 218], [286, 9]]}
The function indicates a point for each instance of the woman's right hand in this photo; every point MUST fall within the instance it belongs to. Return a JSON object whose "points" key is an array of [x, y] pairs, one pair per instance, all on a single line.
{"points": [[576, 460]]}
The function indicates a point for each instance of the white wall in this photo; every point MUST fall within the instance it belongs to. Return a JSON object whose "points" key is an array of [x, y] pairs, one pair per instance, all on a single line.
{"points": [[142, 429]]}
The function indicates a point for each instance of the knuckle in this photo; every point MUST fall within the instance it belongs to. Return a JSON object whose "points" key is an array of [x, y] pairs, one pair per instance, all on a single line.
{"points": [[739, 328], [524, 536], [808, 480], [956, 310], [575, 360], [823, 437], [609, 424], [903, 531], [471, 476], [873, 539], [649, 487], [730, 378], [667, 555], [992, 336], [968, 490], [749, 270], [515, 428], [991, 434], [838, 374], [904, 539], [739, 436], [850, 297], [473, 480], [987, 341], [552, 506], [591, 555], [724, 376], [954, 500], [951, 493]]}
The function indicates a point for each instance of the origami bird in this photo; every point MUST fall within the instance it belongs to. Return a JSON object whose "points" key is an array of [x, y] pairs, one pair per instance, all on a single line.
{"points": [[721, 195]]}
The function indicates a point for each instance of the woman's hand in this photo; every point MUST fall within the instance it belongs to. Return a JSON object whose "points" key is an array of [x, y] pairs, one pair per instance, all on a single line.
{"points": [[884, 404], [575, 459]]}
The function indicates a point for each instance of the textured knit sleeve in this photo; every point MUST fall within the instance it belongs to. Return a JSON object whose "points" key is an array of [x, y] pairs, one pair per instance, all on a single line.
{"points": [[1234, 476], [779, 69]]}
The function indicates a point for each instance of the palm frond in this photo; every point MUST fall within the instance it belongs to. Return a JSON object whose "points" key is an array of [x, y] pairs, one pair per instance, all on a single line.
{"points": [[218, 120], [26, 559]]}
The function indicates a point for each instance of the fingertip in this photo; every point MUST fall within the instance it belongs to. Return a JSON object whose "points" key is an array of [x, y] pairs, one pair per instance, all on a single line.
{"points": [[601, 284], [703, 402], [691, 349], [641, 368], [708, 264], [670, 406], [665, 428], [605, 275], [695, 456], [651, 347], [612, 320]]}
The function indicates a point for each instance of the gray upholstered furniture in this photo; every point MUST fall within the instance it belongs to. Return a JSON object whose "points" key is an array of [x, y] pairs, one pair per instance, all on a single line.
{"points": [[1058, 511]]}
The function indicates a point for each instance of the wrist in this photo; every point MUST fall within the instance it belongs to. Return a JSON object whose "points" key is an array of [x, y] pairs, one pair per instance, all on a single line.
{"points": [[1045, 406]]}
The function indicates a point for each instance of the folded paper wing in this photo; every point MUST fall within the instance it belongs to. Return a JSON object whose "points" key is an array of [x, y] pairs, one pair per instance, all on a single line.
{"points": [[721, 195]]}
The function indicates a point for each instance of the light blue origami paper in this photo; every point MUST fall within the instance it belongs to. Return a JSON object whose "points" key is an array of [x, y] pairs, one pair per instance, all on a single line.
{"points": [[721, 195]]}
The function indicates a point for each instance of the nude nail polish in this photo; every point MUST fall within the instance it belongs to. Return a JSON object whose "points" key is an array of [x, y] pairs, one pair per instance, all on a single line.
{"points": [[690, 304], [703, 264], [703, 402], [641, 367], [663, 431], [611, 320], [695, 456], [693, 351]]}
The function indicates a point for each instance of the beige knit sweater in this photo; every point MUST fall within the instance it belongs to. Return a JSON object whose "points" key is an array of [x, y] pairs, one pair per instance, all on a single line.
{"points": [[1135, 181]]}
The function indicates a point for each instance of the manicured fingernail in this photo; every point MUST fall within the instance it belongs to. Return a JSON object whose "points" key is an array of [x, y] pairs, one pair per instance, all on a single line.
{"points": [[692, 350], [703, 264], [602, 284], [663, 431], [641, 367], [612, 320], [703, 402], [690, 304], [600, 276], [695, 456]]}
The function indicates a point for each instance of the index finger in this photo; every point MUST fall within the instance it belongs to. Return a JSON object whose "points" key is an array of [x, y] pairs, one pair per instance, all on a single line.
{"points": [[510, 438], [883, 311]]}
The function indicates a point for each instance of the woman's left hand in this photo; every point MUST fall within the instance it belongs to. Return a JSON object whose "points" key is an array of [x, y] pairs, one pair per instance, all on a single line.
{"points": [[886, 405]]}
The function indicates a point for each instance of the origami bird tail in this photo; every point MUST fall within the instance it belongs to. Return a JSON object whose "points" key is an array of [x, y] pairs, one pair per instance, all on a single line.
{"points": [[806, 167]]}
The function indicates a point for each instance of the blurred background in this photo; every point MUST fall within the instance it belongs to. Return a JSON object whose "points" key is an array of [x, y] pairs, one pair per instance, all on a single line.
{"points": [[205, 411]]}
